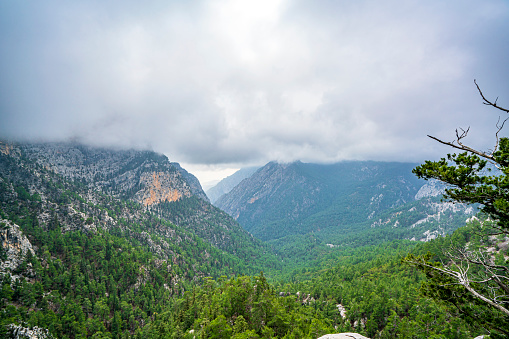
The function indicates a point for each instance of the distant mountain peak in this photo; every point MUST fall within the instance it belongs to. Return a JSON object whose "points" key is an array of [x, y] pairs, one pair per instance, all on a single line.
{"points": [[282, 199]]}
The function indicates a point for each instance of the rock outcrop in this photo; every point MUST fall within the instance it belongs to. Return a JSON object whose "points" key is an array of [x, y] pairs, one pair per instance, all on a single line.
{"points": [[160, 187], [144, 176], [432, 188], [20, 332], [15, 246], [343, 336]]}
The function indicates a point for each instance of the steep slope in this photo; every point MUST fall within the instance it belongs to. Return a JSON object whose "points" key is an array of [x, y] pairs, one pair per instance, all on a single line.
{"points": [[297, 198], [145, 178], [307, 212], [228, 183], [31, 190], [78, 261]]}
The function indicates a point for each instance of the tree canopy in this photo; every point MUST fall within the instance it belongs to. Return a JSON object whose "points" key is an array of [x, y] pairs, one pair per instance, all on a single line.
{"points": [[473, 278]]}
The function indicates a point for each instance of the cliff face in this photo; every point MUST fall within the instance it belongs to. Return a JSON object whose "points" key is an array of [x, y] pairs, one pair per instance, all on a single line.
{"points": [[143, 176], [68, 180], [159, 187], [192, 181], [15, 245]]}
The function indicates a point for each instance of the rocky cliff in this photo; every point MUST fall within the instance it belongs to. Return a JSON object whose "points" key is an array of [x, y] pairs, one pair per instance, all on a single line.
{"points": [[15, 246], [144, 176], [66, 180]]}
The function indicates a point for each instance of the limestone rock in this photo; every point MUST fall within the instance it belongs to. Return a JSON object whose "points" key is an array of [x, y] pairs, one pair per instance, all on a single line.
{"points": [[19, 332], [15, 244], [124, 173], [160, 187], [343, 336], [432, 188]]}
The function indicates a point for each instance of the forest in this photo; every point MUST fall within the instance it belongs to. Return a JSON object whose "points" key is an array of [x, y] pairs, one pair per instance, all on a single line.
{"points": [[105, 266]]}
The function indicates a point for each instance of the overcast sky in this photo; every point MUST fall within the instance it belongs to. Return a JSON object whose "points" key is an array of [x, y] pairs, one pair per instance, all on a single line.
{"points": [[217, 85]]}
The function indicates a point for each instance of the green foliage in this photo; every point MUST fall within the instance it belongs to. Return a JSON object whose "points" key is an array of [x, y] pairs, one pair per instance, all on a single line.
{"points": [[445, 288], [470, 182], [380, 295], [300, 198], [243, 307], [109, 273], [470, 277], [106, 267]]}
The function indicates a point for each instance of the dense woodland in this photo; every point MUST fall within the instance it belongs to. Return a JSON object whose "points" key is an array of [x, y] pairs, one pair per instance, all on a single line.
{"points": [[120, 270]]}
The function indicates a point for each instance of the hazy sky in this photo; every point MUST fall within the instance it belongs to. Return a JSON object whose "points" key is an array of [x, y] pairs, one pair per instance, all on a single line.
{"points": [[225, 84]]}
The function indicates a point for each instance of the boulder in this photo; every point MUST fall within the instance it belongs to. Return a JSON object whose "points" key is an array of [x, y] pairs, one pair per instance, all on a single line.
{"points": [[343, 336]]}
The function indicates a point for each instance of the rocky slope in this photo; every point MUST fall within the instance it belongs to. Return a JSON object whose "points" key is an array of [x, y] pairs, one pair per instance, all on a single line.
{"points": [[299, 198], [144, 176], [67, 180], [15, 248], [298, 207]]}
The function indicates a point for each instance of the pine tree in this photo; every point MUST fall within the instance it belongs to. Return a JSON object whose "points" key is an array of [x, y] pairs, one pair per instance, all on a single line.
{"points": [[469, 279]]}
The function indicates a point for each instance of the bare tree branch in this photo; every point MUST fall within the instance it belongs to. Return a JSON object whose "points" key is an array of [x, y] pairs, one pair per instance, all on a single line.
{"points": [[499, 128], [478, 271], [464, 133], [487, 102], [462, 279], [465, 148]]}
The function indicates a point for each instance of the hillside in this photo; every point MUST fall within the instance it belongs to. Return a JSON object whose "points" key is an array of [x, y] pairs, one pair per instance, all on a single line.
{"points": [[345, 204], [94, 244], [76, 218], [287, 196], [144, 178]]}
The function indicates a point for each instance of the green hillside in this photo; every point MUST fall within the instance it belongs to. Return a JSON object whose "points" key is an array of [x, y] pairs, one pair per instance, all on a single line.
{"points": [[82, 258], [298, 198]]}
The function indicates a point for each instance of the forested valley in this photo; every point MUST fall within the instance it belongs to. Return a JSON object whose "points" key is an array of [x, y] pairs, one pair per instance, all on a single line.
{"points": [[99, 248]]}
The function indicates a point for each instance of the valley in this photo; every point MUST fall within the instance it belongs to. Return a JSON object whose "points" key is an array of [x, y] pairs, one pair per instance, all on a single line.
{"points": [[106, 243]]}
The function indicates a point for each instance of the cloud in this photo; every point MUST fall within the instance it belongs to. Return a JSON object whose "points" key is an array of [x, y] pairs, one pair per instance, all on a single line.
{"points": [[237, 82]]}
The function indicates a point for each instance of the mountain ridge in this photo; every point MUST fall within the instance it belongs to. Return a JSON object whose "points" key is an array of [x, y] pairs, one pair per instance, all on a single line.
{"points": [[277, 193], [147, 181]]}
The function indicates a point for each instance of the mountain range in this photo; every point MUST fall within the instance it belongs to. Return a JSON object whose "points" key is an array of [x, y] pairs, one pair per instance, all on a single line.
{"points": [[227, 184], [346, 202], [106, 243], [85, 188]]}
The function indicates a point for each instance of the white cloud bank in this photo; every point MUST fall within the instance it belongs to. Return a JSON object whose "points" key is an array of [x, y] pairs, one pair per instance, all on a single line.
{"points": [[231, 83]]}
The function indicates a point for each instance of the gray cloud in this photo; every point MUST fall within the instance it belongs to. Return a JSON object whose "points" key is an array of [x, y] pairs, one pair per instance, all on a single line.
{"points": [[237, 82]]}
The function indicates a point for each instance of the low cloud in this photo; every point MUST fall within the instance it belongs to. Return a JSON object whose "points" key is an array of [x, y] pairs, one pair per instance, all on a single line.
{"points": [[242, 82]]}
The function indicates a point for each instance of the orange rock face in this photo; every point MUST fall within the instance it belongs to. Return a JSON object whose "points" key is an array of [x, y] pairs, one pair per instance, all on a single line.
{"points": [[4, 148], [159, 187]]}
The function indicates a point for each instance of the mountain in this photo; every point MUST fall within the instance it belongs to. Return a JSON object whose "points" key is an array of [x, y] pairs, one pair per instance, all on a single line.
{"points": [[355, 203], [108, 243], [228, 183], [142, 177], [286, 196]]}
